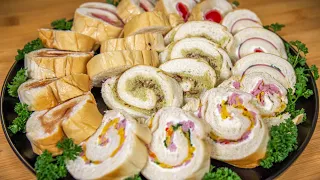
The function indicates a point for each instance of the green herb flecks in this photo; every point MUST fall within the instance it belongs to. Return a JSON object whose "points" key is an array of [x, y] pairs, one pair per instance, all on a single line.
{"points": [[274, 27]]}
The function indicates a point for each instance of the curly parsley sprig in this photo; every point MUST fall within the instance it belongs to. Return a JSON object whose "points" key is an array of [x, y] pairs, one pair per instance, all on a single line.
{"points": [[19, 123], [221, 173], [283, 140], [16, 82], [135, 177], [48, 167], [30, 46], [62, 24], [235, 3], [113, 2], [275, 27]]}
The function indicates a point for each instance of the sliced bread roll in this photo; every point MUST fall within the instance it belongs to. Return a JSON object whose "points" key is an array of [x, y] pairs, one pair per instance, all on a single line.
{"points": [[210, 10], [51, 63], [277, 67], [256, 40], [99, 5], [45, 94], [207, 29], [97, 23], [240, 19], [127, 9], [78, 118], [44, 133], [115, 151], [178, 149], [194, 76], [238, 136], [179, 7], [141, 91], [66, 40], [147, 22], [113, 63], [145, 41], [200, 48]]}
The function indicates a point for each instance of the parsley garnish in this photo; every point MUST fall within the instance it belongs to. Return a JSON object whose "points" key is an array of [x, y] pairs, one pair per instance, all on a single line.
{"points": [[283, 140], [19, 123], [236, 3], [274, 27], [30, 46], [62, 24], [135, 177], [51, 168], [16, 82], [221, 173], [113, 2]]}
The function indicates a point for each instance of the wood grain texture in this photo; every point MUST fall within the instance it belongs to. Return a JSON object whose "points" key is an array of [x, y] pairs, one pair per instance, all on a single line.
{"points": [[20, 19]]}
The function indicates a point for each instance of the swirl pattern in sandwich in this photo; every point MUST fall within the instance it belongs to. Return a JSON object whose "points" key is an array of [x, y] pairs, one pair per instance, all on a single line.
{"points": [[178, 149], [238, 136], [115, 151], [141, 91]]}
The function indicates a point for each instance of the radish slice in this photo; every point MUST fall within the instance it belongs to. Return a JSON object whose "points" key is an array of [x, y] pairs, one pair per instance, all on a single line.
{"points": [[214, 16], [183, 11]]}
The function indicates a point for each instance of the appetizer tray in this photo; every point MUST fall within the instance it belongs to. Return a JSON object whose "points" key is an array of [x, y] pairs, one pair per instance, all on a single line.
{"points": [[171, 89]]}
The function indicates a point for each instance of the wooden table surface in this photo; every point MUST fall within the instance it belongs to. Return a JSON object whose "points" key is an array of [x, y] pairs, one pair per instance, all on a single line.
{"points": [[20, 19]]}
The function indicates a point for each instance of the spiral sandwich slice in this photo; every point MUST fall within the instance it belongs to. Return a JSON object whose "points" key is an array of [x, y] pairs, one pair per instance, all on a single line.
{"points": [[145, 41], [178, 149], [99, 24], [66, 40], [206, 29], [238, 20], [238, 136], [155, 21], [50, 63], [277, 67], [200, 48], [115, 151], [210, 10], [45, 94], [256, 40], [141, 91], [77, 119], [194, 76], [113, 63]]}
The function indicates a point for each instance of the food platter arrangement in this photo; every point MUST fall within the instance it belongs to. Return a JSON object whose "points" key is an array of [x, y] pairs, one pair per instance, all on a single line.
{"points": [[160, 90]]}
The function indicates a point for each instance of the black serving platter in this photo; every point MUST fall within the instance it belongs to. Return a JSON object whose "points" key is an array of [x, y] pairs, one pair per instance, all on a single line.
{"points": [[21, 146]]}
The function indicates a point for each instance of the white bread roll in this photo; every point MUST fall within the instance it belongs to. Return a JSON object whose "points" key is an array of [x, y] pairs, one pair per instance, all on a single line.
{"points": [[127, 9], [200, 48], [256, 40], [97, 23], [178, 149], [45, 94], [145, 41], [207, 29], [51, 63], [210, 10], [147, 22], [178, 7], [99, 5], [77, 118], [115, 151], [240, 19], [141, 91], [277, 67], [238, 136], [66, 40], [194, 76], [113, 63]]}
